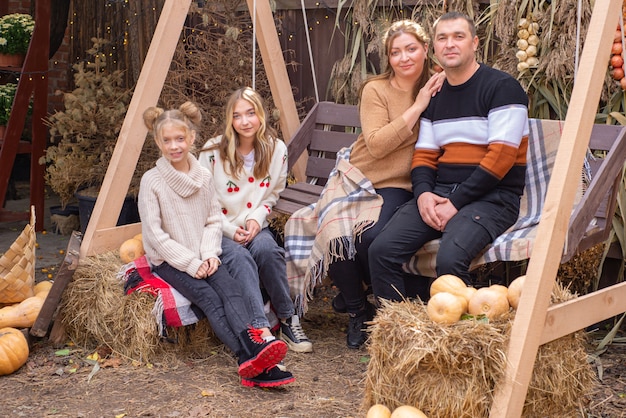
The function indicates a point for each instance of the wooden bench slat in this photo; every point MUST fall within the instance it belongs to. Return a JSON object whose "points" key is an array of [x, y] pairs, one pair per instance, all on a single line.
{"points": [[319, 167], [331, 141], [603, 136], [329, 113], [313, 189], [306, 197], [287, 207]]}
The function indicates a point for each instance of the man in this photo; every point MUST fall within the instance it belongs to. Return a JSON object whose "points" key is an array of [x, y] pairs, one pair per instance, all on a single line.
{"points": [[468, 166]]}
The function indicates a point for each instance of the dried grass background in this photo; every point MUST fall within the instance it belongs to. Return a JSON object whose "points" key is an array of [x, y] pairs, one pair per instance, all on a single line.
{"points": [[212, 60]]}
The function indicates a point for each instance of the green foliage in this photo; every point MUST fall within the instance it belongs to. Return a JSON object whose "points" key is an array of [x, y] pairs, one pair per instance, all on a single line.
{"points": [[15, 32], [85, 133], [7, 93]]}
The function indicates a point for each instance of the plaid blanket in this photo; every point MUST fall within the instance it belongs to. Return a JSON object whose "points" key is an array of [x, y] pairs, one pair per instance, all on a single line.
{"points": [[305, 235], [325, 231], [170, 307]]}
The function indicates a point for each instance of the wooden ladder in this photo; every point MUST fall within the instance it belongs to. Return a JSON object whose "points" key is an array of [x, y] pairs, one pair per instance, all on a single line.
{"points": [[33, 80]]}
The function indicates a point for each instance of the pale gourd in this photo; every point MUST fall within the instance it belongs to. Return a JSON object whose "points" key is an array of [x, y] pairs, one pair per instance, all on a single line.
{"points": [[514, 292], [139, 237], [500, 288], [42, 289], [378, 411], [131, 249], [492, 303], [407, 411], [23, 314], [13, 350], [446, 308], [451, 284]]}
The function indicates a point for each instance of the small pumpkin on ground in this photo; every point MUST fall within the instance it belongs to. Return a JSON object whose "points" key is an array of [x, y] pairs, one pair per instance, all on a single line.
{"points": [[407, 411], [378, 411], [13, 350], [131, 249]]}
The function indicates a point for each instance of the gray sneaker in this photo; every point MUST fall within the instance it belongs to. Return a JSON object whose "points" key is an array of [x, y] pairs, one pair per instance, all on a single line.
{"points": [[291, 332]]}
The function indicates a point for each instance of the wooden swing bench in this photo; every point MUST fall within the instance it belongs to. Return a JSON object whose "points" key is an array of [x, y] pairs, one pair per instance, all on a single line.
{"points": [[328, 127]]}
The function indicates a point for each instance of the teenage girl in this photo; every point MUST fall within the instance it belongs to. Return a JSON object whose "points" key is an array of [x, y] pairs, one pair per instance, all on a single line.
{"points": [[182, 233], [249, 166]]}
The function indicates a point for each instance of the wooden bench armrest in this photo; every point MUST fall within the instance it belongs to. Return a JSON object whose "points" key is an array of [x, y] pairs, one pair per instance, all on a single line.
{"points": [[302, 138], [602, 182]]}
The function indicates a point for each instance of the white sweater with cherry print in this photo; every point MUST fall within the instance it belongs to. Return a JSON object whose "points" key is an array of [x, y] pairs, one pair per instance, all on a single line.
{"points": [[245, 197]]}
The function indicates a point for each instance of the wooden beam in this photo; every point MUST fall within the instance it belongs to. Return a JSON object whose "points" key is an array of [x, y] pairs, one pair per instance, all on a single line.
{"points": [[62, 279], [107, 239], [527, 328], [276, 71], [133, 131], [579, 313]]}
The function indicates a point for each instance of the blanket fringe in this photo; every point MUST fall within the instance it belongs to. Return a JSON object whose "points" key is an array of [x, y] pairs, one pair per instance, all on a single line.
{"points": [[339, 249]]}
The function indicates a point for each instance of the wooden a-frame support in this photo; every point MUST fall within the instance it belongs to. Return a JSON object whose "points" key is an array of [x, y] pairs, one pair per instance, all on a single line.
{"points": [[101, 233], [535, 322]]}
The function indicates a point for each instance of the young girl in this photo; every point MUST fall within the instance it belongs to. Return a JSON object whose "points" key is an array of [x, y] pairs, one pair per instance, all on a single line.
{"points": [[249, 165], [182, 232]]}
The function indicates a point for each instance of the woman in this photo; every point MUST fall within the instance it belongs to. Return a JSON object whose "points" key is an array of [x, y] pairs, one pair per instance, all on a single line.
{"points": [[182, 233], [390, 106], [249, 166]]}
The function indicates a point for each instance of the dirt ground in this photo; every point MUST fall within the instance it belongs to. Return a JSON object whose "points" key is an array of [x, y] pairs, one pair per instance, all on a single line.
{"points": [[330, 382]]}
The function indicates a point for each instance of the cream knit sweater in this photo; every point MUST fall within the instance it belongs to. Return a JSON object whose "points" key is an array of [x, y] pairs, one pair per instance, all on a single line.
{"points": [[246, 197], [180, 216]]}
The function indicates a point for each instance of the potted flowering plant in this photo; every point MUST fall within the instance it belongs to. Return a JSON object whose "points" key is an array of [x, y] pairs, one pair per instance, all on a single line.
{"points": [[15, 32]]}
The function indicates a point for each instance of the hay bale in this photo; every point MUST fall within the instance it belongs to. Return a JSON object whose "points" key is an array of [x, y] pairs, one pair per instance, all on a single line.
{"points": [[452, 370], [96, 312]]}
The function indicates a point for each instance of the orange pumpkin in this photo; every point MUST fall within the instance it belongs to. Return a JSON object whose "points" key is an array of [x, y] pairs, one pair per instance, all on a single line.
{"points": [[489, 302], [407, 411], [514, 292], [131, 249], [499, 288], [446, 308], [13, 350], [451, 284], [378, 411]]}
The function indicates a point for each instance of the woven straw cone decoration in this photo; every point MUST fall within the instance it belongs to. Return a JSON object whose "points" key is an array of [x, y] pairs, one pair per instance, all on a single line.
{"points": [[17, 266]]}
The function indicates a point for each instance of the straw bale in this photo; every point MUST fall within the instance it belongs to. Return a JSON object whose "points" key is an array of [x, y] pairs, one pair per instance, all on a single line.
{"points": [[452, 370], [95, 312]]}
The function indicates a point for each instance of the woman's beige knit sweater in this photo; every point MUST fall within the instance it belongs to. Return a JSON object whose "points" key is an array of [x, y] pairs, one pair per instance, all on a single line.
{"points": [[384, 149]]}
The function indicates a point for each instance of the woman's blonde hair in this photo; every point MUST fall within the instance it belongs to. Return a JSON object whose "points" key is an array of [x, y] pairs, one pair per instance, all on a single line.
{"points": [[187, 117], [264, 143], [396, 29]]}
